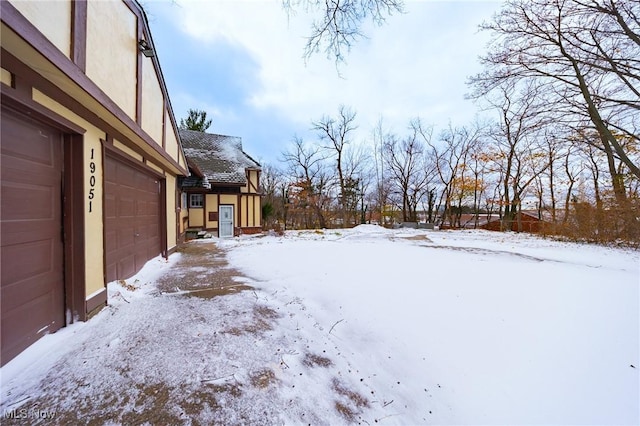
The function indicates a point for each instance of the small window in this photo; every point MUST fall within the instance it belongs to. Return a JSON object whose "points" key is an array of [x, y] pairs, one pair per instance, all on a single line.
{"points": [[196, 200], [183, 200]]}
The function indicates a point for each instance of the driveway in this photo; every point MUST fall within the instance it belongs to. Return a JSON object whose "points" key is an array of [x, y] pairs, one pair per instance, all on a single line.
{"points": [[197, 345]]}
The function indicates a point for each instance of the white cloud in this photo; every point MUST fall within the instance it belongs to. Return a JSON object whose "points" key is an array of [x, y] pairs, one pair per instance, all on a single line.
{"points": [[414, 65]]}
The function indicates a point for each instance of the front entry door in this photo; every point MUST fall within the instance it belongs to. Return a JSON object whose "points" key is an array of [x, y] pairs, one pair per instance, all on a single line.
{"points": [[225, 225]]}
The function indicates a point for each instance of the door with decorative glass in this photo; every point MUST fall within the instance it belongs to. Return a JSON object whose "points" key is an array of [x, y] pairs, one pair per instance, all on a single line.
{"points": [[225, 224]]}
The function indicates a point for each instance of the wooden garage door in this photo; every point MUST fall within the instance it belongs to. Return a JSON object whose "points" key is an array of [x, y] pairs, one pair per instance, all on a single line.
{"points": [[132, 219], [31, 225]]}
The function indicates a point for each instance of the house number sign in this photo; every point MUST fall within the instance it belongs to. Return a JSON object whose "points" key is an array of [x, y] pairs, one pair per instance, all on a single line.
{"points": [[92, 181]]}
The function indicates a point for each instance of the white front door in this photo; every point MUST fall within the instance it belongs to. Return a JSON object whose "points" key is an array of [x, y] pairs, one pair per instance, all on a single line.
{"points": [[225, 222]]}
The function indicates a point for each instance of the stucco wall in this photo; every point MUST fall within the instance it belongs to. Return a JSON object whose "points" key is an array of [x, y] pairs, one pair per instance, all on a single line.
{"points": [[122, 147], [152, 102], [243, 211], [212, 206], [253, 177], [230, 199], [5, 77], [154, 166], [94, 233], [195, 217], [52, 18], [171, 142], [172, 238], [112, 51]]}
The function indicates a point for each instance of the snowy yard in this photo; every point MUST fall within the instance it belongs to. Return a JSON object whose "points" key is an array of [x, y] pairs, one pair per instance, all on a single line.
{"points": [[361, 326], [469, 327]]}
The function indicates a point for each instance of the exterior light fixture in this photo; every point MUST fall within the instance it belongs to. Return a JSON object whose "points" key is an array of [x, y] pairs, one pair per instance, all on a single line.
{"points": [[146, 49]]}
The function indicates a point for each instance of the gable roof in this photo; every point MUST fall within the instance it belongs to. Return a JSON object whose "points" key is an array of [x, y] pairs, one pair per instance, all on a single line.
{"points": [[217, 159]]}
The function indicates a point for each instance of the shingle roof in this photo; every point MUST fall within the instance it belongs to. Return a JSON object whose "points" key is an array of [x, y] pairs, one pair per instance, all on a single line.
{"points": [[219, 158]]}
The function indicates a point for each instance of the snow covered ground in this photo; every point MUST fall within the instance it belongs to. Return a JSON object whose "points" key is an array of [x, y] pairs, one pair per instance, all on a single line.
{"points": [[467, 327], [366, 325]]}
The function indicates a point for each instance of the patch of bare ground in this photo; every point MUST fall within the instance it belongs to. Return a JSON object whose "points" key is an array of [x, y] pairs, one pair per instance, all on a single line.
{"points": [[417, 238], [202, 270], [350, 404], [140, 403], [258, 321], [262, 378], [314, 360]]}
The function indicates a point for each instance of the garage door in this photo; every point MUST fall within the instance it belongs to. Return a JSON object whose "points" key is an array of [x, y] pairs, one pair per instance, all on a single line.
{"points": [[132, 218], [31, 225]]}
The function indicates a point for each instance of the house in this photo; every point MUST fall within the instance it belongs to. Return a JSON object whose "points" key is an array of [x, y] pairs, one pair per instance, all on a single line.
{"points": [[222, 195], [522, 222], [529, 222], [90, 160], [470, 221]]}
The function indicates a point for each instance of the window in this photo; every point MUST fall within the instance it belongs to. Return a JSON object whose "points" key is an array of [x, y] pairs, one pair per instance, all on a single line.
{"points": [[183, 200], [196, 200]]}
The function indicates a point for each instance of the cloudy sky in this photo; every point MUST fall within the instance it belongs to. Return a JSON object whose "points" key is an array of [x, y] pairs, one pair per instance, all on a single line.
{"points": [[241, 61]]}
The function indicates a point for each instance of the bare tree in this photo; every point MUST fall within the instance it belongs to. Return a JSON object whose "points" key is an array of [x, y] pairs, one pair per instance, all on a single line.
{"points": [[339, 24], [517, 145], [358, 172], [585, 52], [336, 133], [307, 194], [455, 166], [382, 185], [405, 161], [272, 185]]}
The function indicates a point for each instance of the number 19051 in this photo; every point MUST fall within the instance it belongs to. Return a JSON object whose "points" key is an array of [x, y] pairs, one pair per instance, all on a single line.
{"points": [[92, 181]]}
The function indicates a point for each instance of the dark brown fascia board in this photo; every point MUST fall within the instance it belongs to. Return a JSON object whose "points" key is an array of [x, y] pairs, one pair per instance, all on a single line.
{"points": [[193, 168], [214, 184], [30, 34]]}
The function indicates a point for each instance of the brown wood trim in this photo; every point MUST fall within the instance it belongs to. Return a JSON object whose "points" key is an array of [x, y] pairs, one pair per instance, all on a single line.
{"points": [[139, 59], [178, 210], [20, 25], [164, 123], [251, 229], [224, 184], [15, 99], [204, 210], [79, 33], [172, 250], [239, 213], [114, 152], [163, 218], [22, 87], [74, 232], [247, 203], [96, 302], [103, 152]]}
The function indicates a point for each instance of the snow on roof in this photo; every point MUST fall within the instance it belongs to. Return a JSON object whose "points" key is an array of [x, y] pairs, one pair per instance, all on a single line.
{"points": [[219, 158]]}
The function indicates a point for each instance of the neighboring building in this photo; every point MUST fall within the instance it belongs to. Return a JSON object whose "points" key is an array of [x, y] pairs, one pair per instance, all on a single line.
{"points": [[222, 195], [529, 222], [90, 160], [522, 222]]}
